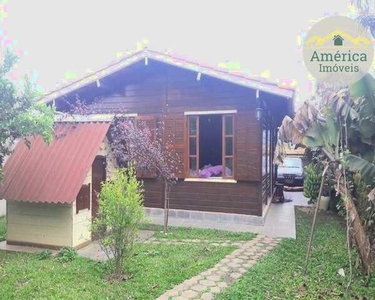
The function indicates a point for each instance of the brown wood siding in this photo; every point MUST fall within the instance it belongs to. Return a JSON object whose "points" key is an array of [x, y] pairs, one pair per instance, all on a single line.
{"points": [[174, 91], [240, 198], [247, 162]]}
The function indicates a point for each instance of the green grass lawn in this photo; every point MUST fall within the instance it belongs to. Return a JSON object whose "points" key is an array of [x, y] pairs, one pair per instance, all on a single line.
{"points": [[279, 274], [2, 229], [182, 233], [154, 270]]}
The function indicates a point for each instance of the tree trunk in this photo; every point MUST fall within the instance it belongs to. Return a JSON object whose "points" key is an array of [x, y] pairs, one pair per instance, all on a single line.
{"points": [[166, 207], [358, 232]]}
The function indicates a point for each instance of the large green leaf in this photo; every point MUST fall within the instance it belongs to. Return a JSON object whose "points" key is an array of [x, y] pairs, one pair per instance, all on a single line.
{"points": [[341, 104], [363, 87], [367, 128], [314, 136], [366, 168], [333, 130]]}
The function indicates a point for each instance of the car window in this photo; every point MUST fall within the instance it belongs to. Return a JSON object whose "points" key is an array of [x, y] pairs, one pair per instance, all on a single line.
{"points": [[292, 163]]}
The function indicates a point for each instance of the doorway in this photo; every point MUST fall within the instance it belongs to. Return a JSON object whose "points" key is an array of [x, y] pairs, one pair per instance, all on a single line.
{"points": [[98, 176]]}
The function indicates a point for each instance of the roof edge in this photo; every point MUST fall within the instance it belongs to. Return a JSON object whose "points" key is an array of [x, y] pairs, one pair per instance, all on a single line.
{"points": [[174, 60]]}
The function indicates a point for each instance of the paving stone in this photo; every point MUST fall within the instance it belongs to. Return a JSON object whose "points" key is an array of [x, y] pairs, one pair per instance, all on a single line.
{"points": [[207, 272], [233, 265], [222, 284], [215, 290], [207, 296], [213, 278], [207, 282], [243, 257], [248, 265], [221, 273], [172, 293], [199, 277], [198, 288], [224, 269], [180, 287], [241, 270], [235, 275], [189, 294], [178, 298]]}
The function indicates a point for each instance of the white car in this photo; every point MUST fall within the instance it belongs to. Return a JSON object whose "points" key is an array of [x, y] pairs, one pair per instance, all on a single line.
{"points": [[291, 172]]}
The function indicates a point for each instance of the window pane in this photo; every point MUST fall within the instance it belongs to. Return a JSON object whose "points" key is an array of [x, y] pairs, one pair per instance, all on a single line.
{"points": [[193, 146], [192, 126], [228, 146], [229, 166], [193, 166], [228, 125]]}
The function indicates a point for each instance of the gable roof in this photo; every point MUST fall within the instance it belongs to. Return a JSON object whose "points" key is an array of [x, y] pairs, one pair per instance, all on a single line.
{"points": [[53, 173], [235, 78], [338, 37]]}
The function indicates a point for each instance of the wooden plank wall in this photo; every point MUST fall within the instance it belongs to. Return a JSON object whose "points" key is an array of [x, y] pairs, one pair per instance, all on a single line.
{"points": [[180, 91]]}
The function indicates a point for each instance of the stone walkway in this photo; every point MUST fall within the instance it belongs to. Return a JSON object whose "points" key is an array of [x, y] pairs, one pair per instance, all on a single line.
{"points": [[212, 281]]}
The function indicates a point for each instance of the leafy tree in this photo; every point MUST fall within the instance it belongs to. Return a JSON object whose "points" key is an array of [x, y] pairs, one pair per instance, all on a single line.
{"points": [[120, 216], [21, 115]]}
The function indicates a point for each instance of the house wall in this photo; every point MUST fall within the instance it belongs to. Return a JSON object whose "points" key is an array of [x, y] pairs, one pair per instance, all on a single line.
{"points": [[39, 223], [3, 205], [241, 197], [150, 89]]}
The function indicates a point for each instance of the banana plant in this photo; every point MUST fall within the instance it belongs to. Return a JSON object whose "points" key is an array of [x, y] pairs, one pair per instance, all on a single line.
{"points": [[343, 129]]}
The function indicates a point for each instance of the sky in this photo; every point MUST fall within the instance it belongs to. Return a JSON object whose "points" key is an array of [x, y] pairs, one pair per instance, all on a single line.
{"points": [[59, 41]]}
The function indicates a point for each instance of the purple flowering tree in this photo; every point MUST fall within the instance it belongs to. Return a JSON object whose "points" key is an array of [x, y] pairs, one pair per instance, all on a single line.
{"points": [[136, 143]]}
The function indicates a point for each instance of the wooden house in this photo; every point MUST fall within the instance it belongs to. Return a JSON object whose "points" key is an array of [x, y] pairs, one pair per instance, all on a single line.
{"points": [[223, 125]]}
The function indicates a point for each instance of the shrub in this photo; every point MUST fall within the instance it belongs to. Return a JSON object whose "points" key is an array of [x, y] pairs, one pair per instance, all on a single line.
{"points": [[45, 254], [67, 254], [120, 216]]}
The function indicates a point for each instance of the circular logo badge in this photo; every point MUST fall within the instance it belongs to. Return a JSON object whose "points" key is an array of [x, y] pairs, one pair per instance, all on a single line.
{"points": [[338, 50]]}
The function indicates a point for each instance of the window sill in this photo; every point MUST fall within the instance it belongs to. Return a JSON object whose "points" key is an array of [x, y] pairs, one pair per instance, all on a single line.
{"points": [[218, 179]]}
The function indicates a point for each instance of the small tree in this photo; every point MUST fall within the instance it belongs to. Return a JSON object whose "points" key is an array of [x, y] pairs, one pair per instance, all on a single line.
{"points": [[120, 216], [21, 115]]}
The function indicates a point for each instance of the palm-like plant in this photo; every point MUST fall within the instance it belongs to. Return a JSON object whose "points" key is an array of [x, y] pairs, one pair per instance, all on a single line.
{"points": [[343, 129]]}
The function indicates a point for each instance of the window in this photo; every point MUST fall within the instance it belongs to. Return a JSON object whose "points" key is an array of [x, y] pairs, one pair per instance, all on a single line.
{"points": [[210, 146], [83, 198]]}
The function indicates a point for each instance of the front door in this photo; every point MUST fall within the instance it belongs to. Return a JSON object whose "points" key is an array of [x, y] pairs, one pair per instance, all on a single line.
{"points": [[98, 176]]}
